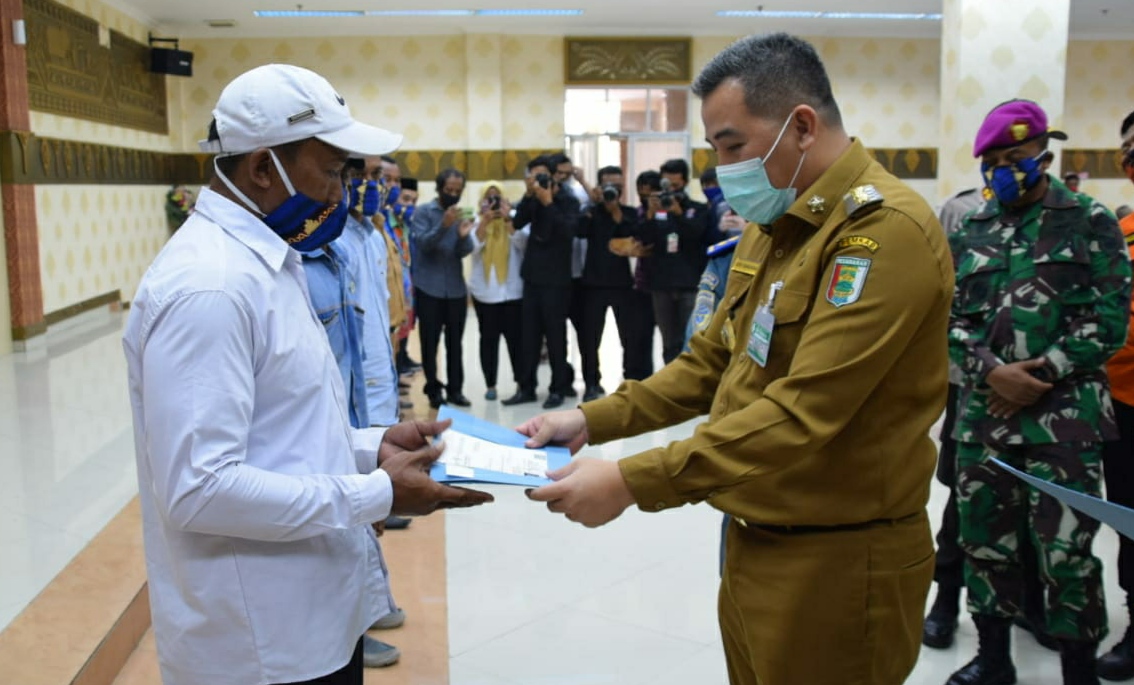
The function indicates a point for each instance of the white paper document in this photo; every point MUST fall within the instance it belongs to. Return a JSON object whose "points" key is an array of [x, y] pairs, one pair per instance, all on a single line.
{"points": [[463, 452]]}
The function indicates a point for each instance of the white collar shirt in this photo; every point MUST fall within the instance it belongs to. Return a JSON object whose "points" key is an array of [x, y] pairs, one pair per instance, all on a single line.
{"points": [[256, 493], [491, 290]]}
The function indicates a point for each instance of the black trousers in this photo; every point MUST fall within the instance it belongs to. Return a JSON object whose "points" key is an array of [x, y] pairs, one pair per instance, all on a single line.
{"points": [[949, 571], [638, 355], [544, 311], [596, 301], [351, 674], [672, 309], [497, 320], [1118, 471], [437, 314]]}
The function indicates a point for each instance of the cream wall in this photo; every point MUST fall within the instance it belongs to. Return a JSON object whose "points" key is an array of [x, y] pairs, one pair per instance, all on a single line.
{"points": [[94, 239], [887, 88], [1100, 94], [440, 92], [97, 238]]}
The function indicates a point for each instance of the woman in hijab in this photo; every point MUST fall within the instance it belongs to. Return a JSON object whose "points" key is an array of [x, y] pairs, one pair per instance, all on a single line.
{"points": [[495, 285]]}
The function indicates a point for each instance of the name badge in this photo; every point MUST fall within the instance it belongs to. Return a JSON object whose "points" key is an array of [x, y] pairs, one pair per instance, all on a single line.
{"points": [[763, 325], [671, 243]]}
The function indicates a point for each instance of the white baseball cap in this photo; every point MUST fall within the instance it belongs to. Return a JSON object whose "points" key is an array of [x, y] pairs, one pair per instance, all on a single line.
{"points": [[280, 103]]}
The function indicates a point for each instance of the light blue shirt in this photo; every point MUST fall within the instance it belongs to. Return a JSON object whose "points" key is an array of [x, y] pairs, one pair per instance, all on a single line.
{"points": [[366, 247], [333, 282]]}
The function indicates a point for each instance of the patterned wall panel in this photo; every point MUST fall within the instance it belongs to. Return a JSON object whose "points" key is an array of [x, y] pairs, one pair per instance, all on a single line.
{"points": [[96, 239], [887, 88], [70, 74], [612, 61]]}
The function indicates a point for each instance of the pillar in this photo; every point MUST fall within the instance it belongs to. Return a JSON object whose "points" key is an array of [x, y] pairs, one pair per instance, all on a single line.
{"points": [[21, 234]]}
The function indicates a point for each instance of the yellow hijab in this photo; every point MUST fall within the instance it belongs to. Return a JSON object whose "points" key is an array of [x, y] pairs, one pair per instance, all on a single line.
{"points": [[497, 241]]}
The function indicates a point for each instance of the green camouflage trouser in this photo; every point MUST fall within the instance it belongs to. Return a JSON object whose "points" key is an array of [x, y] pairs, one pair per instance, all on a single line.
{"points": [[996, 508]]}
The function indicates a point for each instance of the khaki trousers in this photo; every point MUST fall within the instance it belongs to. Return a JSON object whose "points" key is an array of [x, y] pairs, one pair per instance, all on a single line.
{"points": [[825, 607]]}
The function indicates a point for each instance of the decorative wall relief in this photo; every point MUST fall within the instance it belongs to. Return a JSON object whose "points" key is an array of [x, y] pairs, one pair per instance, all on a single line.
{"points": [[70, 74], [628, 61], [1099, 164]]}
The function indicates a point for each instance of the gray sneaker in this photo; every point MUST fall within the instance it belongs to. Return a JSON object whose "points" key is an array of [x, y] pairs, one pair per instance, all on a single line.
{"points": [[377, 654], [394, 619]]}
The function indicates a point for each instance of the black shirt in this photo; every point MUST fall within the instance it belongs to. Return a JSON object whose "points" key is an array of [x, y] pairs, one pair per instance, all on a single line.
{"points": [[676, 264], [603, 268], [547, 259]]}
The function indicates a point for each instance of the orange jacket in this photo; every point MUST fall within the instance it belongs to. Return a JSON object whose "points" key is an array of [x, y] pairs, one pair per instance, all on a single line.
{"points": [[1120, 368]]}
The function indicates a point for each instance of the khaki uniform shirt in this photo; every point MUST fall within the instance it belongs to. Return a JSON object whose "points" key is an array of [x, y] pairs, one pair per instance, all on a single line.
{"points": [[834, 430]]}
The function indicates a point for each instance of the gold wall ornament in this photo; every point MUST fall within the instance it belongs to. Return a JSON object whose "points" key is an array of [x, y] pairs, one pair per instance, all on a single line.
{"points": [[1104, 163], [628, 61], [72, 75]]}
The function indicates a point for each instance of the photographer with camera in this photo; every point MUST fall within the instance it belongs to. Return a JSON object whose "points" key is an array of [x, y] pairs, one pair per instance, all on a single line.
{"points": [[675, 227], [546, 271], [607, 281], [443, 239]]}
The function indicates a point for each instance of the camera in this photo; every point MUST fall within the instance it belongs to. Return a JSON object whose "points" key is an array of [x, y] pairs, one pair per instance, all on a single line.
{"points": [[543, 180], [668, 195], [494, 202], [610, 193]]}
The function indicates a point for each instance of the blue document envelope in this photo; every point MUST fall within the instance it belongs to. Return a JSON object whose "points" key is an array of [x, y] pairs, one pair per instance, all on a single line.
{"points": [[1116, 516], [557, 457]]}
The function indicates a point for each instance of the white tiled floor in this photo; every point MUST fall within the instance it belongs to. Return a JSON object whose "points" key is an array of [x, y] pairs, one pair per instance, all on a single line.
{"points": [[533, 599]]}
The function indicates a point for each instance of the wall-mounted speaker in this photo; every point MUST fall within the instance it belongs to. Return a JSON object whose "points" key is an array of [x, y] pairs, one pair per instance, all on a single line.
{"points": [[171, 61]]}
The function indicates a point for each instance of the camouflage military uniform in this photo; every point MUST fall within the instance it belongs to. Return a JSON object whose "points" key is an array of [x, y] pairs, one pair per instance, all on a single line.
{"points": [[1053, 282]]}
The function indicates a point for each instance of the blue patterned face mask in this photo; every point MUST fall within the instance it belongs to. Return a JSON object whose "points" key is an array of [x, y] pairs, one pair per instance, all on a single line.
{"points": [[750, 192], [1009, 183], [303, 223], [392, 196]]}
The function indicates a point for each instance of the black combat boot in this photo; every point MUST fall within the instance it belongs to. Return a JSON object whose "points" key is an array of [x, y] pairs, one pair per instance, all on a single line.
{"points": [[1077, 657], [993, 663], [941, 623], [1118, 663]]}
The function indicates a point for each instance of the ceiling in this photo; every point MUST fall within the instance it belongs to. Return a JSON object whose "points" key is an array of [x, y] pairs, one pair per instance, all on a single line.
{"points": [[1089, 18]]}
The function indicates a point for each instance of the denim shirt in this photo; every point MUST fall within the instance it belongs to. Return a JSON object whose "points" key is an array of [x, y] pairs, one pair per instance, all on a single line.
{"points": [[333, 283], [366, 249], [437, 260]]}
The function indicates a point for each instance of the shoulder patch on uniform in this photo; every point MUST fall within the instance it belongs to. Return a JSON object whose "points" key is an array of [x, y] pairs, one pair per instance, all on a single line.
{"points": [[745, 267], [861, 200], [703, 308], [858, 241], [723, 246], [709, 280], [847, 280]]}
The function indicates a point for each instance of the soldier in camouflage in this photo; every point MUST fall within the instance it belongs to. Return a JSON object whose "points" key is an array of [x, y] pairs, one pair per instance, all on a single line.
{"points": [[1043, 287]]}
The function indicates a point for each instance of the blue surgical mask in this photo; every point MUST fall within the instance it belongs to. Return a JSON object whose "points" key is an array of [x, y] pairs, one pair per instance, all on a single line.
{"points": [[393, 195], [714, 194], [750, 193], [303, 223], [1009, 183]]}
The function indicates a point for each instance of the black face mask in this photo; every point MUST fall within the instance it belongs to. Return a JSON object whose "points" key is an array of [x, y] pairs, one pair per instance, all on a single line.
{"points": [[446, 200]]}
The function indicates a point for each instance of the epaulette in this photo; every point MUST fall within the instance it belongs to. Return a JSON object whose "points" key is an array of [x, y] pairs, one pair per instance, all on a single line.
{"points": [[723, 246], [862, 200]]}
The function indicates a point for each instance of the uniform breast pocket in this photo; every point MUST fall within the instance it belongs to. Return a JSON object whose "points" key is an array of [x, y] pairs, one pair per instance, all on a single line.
{"points": [[1064, 275], [791, 311], [978, 285]]}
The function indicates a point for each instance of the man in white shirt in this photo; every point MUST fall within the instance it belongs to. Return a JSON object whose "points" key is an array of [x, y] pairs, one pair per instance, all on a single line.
{"points": [[256, 493]]}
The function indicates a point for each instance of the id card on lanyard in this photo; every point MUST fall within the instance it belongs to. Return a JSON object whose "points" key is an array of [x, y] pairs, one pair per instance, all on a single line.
{"points": [[763, 325]]}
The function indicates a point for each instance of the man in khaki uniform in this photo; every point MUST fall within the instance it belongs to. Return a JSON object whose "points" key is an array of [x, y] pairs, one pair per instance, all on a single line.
{"points": [[821, 372]]}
